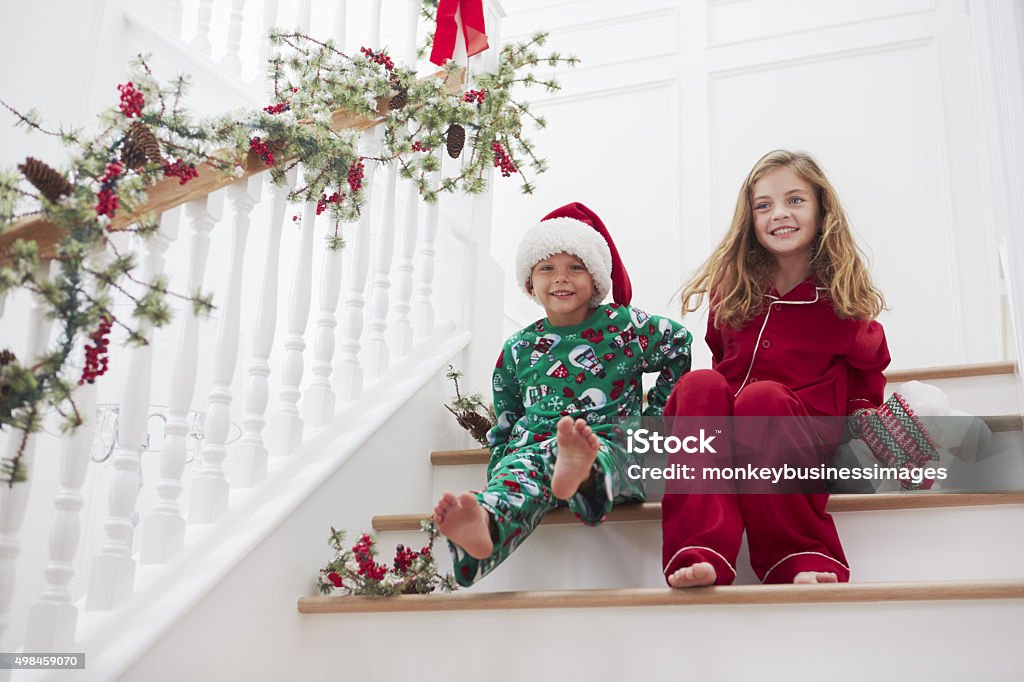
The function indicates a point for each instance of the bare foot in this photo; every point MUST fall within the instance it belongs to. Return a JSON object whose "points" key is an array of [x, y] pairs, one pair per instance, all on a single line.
{"points": [[697, 575], [814, 577], [463, 521], [577, 450]]}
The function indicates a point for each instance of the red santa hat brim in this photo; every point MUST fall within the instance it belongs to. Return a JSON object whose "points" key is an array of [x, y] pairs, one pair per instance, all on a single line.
{"points": [[576, 230]]}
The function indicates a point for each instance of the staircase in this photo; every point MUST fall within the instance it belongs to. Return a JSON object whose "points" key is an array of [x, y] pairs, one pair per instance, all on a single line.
{"points": [[204, 586], [926, 566]]}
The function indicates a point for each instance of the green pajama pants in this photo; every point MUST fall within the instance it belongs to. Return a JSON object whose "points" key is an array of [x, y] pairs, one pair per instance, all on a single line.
{"points": [[518, 495]]}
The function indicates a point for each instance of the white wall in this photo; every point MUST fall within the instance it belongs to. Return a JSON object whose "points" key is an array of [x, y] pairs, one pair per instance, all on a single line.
{"points": [[674, 101]]}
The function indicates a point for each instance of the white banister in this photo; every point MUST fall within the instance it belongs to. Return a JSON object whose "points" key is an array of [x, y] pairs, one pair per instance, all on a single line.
{"points": [[112, 573], [399, 332], [231, 59], [286, 424], [162, 533], [340, 14], [348, 374], [373, 35], [249, 457], [423, 307], [208, 498], [52, 619], [376, 347], [304, 16], [201, 42], [318, 400], [14, 498], [175, 10], [270, 8]]}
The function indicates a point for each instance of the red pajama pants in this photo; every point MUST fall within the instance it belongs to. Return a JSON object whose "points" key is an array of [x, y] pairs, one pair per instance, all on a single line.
{"points": [[786, 533]]}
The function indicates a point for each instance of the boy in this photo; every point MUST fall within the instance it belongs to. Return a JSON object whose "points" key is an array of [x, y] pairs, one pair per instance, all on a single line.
{"points": [[561, 387]]}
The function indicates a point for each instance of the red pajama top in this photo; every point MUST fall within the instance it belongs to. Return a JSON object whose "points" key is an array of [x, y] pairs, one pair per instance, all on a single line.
{"points": [[833, 365]]}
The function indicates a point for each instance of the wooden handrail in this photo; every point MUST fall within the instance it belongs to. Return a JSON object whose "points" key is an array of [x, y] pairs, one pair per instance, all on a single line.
{"points": [[167, 193]]}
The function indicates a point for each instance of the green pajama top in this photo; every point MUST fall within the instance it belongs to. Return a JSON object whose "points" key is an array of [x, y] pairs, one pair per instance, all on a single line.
{"points": [[589, 371]]}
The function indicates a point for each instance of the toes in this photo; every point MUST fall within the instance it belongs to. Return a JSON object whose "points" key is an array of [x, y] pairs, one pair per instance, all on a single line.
{"points": [[467, 499], [565, 426]]}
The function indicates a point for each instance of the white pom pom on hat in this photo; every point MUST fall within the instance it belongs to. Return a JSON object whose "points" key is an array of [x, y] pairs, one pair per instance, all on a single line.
{"points": [[576, 230]]}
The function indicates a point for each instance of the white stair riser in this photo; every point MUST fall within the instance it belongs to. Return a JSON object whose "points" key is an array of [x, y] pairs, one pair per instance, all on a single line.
{"points": [[959, 543], [978, 395], [935, 641], [1001, 470]]}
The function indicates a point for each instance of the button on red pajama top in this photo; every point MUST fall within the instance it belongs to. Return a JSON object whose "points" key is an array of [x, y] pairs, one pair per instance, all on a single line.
{"points": [[795, 358]]}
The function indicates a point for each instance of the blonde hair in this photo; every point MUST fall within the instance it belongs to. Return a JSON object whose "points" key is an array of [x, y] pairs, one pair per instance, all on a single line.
{"points": [[739, 270]]}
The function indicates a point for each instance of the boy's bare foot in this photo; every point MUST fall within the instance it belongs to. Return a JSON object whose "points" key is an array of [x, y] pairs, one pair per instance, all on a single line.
{"points": [[463, 521], [814, 577], [697, 575], [577, 450]]}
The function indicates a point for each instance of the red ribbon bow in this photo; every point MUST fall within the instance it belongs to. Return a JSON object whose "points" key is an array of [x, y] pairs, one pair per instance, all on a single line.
{"points": [[446, 31]]}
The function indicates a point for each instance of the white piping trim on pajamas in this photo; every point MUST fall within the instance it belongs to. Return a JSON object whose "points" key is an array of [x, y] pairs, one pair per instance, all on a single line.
{"points": [[757, 344], [790, 556], [699, 547]]}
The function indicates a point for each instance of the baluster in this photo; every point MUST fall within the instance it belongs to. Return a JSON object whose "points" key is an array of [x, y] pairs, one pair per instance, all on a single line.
{"points": [[286, 425], [112, 574], [376, 348], [399, 327], [269, 21], [52, 619], [340, 11], [374, 33], [201, 41], [209, 495], [175, 10], [13, 499], [318, 400], [304, 17], [250, 455], [348, 375], [163, 529], [231, 61], [423, 307]]}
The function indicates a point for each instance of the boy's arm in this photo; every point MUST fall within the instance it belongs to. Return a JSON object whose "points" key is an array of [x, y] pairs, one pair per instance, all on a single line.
{"points": [[668, 353], [508, 402]]}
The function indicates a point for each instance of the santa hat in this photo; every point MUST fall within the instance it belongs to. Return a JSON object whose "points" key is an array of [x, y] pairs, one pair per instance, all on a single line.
{"points": [[576, 230]]}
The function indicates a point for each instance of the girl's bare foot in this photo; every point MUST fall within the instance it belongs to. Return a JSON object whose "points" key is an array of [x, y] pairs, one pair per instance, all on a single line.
{"points": [[697, 575], [814, 577], [463, 521], [577, 450]]}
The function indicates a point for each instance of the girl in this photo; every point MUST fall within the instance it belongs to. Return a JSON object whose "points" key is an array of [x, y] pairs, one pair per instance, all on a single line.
{"points": [[792, 334]]}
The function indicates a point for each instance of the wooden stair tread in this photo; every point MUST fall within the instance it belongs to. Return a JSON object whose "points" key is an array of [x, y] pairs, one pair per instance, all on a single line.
{"points": [[1002, 423], [663, 596], [651, 511], [951, 371]]}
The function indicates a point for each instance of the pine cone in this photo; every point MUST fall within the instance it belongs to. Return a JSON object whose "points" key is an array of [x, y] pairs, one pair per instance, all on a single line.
{"points": [[6, 357], [455, 140], [400, 99], [49, 182], [132, 155], [477, 425], [143, 138]]}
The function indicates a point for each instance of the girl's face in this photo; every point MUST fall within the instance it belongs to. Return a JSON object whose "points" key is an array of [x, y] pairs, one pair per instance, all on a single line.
{"points": [[786, 215], [564, 287]]}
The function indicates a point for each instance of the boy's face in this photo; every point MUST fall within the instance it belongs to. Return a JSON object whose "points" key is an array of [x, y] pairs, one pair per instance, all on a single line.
{"points": [[564, 287]]}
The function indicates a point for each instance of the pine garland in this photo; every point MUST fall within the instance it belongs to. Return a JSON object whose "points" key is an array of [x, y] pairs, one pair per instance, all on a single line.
{"points": [[355, 572], [471, 413], [149, 135]]}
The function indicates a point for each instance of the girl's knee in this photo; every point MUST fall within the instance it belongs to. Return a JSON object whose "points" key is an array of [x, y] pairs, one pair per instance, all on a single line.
{"points": [[701, 391], [766, 399]]}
